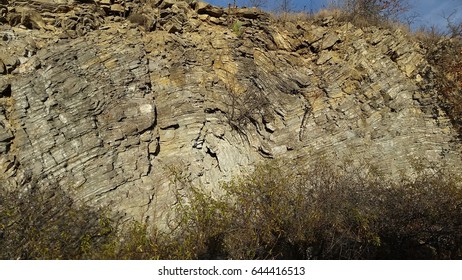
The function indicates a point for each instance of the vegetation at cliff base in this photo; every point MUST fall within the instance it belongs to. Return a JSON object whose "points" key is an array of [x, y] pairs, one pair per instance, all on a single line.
{"points": [[323, 214], [269, 214], [45, 223]]}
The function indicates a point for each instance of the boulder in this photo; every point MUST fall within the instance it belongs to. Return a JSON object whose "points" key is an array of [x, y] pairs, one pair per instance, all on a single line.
{"points": [[207, 9], [250, 13]]}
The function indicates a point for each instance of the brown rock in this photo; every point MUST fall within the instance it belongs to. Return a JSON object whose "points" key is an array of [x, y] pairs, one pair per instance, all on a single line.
{"points": [[329, 40], [204, 8], [250, 13], [117, 8]]}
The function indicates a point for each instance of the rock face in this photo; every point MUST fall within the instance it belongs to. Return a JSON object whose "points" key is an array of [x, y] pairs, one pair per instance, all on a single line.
{"points": [[111, 100]]}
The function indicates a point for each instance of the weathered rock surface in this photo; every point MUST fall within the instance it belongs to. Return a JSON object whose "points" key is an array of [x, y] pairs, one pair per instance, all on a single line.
{"points": [[111, 108]]}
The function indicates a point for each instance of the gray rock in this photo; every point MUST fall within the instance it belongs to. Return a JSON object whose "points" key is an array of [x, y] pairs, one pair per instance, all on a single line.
{"points": [[329, 40], [10, 61], [2, 68], [111, 114]]}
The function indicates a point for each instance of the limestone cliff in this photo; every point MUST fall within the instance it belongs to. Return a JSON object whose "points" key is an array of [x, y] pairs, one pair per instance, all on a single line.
{"points": [[109, 98]]}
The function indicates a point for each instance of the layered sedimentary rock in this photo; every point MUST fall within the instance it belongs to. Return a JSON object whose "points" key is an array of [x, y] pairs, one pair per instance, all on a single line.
{"points": [[113, 102]]}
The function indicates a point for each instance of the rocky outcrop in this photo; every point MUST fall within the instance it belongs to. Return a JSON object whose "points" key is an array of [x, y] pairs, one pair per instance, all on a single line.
{"points": [[111, 102]]}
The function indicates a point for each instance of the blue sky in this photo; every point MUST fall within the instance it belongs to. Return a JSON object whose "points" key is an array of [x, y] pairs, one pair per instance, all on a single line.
{"points": [[430, 12]]}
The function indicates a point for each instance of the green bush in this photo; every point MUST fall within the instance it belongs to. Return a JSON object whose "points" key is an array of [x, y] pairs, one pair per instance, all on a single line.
{"points": [[237, 28]]}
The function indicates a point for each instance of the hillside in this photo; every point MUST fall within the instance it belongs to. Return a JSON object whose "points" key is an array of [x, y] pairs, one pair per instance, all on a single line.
{"points": [[112, 101]]}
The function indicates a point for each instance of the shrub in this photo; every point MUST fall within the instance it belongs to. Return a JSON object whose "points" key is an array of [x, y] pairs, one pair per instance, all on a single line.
{"points": [[375, 9], [134, 242], [422, 219], [444, 53], [322, 214], [46, 223], [272, 213], [40, 223], [138, 19], [243, 105], [364, 13], [237, 28]]}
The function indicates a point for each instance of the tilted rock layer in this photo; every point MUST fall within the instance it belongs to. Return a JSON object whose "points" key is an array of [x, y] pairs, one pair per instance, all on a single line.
{"points": [[111, 100]]}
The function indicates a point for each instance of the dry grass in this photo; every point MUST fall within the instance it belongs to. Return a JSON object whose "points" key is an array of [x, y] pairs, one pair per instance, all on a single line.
{"points": [[291, 17]]}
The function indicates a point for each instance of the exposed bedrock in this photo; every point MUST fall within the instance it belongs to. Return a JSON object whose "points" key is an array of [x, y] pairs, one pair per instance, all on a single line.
{"points": [[112, 109]]}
